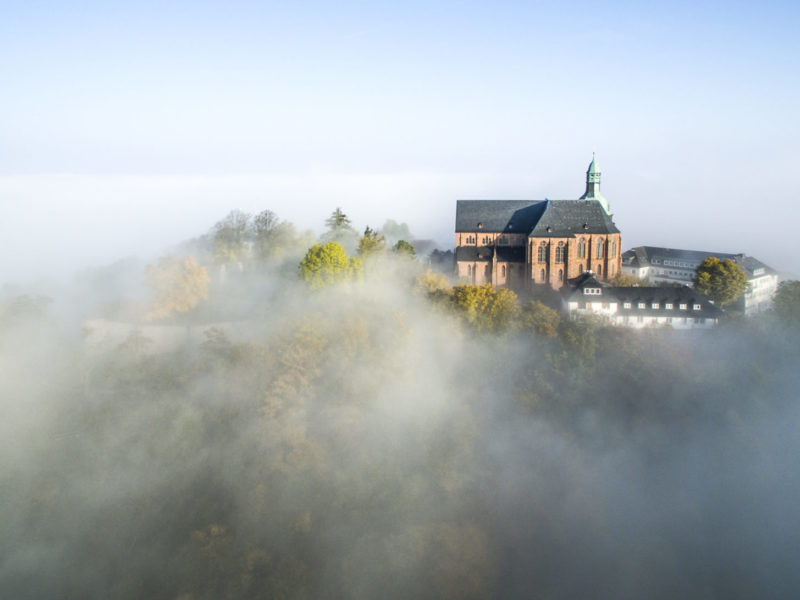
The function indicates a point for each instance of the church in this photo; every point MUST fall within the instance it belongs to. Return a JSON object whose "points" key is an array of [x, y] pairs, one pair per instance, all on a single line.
{"points": [[523, 244]]}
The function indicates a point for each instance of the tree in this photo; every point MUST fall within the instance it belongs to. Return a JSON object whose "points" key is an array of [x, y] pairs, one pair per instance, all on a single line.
{"points": [[432, 284], [722, 281], [443, 261], [178, 285], [230, 235], [395, 231], [325, 264], [537, 317], [338, 221], [371, 243], [403, 248], [486, 308], [270, 235], [623, 280], [786, 303]]}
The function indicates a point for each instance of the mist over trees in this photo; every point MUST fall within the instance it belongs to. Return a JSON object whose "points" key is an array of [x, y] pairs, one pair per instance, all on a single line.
{"points": [[307, 433]]}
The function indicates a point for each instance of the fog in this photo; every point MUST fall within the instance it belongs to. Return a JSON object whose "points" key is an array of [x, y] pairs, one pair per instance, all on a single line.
{"points": [[56, 225], [362, 440]]}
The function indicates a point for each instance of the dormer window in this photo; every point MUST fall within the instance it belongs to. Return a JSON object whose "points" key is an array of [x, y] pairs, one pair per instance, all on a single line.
{"points": [[695, 307], [682, 306], [656, 305], [626, 305], [668, 306], [642, 305], [592, 291]]}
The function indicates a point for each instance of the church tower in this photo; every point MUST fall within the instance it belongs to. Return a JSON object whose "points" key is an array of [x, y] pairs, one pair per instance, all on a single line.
{"points": [[593, 186]]}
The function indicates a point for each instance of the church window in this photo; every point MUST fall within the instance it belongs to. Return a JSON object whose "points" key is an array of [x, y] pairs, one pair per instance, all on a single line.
{"points": [[542, 252], [560, 274], [560, 253], [486, 240], [581, 249], [541, 274], [599, 269], [469, 270], [599, 249], [613, 248], [504, 270]]}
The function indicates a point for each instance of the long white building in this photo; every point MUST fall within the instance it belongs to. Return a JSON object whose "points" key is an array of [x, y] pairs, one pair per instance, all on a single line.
{"points": [[637, 307]]}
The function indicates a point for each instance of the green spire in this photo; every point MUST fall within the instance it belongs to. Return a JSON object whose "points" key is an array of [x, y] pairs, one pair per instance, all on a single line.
{"points": [[593, 185]]}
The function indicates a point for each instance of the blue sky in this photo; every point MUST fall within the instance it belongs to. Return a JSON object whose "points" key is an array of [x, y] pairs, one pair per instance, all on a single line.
{"points": [[176, 112]]}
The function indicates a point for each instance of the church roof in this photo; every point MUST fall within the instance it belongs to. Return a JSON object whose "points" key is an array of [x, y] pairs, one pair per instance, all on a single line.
{"points": [[563, 218], [568, 218], [498, 216]]}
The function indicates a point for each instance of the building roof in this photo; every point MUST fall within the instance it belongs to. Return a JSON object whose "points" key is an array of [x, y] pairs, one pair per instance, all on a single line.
{"points": [[537, 218], [643, 255], [498, 216], [570, 218]]}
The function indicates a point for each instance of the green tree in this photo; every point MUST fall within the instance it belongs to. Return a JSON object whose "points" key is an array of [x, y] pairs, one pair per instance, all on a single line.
{"points": [[178, 285], [722, 281], [325, 264], [786, 303], [536, 316], [403, 248], [486, 308], [371, 243], [338, 221]]}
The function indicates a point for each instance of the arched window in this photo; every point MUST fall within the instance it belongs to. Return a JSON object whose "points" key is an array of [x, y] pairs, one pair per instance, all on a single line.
{"points": [[541, 275], [541, 254], [581, 248], [613, 248], [599, 249], [580, 267], [561, 274], [469, 270], [560, 251], [504, 270], [599, 269]]}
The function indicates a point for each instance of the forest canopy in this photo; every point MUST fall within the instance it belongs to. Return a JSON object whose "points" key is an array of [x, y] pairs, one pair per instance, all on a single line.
{"points": [[309, 429]]}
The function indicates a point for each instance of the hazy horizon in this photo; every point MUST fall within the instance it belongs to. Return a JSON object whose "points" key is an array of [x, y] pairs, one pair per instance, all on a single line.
{"points": [[131, 128]]}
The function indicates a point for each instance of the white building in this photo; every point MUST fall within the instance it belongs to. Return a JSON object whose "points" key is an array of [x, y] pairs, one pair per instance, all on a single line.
{"points": [[636, 307], [671, 266]]}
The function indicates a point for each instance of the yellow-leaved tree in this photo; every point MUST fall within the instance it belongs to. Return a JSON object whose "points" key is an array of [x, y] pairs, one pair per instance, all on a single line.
{"points": [[178, 284]]}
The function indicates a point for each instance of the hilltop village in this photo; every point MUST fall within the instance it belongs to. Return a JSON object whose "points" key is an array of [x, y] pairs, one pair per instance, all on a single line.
{"points": [[574, 246]]}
